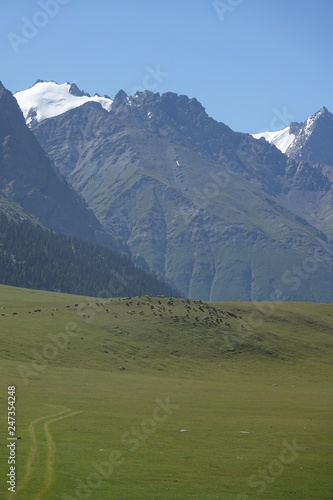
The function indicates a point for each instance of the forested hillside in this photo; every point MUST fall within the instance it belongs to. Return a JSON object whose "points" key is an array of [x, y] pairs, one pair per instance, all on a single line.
{"points": [[32, 257]]}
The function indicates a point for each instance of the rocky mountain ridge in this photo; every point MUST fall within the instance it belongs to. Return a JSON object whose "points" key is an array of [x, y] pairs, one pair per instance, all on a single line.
{"points": [[220, 214]]}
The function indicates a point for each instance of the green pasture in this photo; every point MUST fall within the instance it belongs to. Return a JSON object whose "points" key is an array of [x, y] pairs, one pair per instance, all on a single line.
{"points": [[122, 399]]}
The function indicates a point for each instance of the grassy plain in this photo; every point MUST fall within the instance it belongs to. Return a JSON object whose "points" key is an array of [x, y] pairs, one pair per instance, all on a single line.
{"points": [[152, 398]]}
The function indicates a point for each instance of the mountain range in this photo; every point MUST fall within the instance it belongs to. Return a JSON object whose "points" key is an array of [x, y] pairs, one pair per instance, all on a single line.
{"points": [[34, 199], [220, 214]]}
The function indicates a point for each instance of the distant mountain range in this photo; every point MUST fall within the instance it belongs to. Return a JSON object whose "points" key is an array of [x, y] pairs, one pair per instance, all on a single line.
{"points": [[219, 214]]}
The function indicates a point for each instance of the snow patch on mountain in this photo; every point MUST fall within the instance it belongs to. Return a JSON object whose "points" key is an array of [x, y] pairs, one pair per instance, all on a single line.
{"points": [[292, 138], [282, 139], [48, 99]]}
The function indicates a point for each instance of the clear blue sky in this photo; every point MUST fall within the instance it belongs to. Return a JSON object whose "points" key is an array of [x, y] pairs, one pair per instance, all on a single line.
{"points": [[254, 65]]}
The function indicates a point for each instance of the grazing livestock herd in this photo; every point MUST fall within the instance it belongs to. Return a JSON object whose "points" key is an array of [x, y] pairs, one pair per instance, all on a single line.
{"points": [[195, 311]]}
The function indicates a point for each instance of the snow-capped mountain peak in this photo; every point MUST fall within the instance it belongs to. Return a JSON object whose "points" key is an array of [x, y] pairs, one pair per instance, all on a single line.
{"points": [[310, 122], [48, 99], [291, 138]]}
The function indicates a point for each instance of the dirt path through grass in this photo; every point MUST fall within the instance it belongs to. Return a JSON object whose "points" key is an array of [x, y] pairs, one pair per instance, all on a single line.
{"points": [[51, 449]]}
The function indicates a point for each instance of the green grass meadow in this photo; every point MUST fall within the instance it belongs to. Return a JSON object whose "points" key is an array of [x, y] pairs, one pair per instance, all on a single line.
{"points": [[152, 398]]}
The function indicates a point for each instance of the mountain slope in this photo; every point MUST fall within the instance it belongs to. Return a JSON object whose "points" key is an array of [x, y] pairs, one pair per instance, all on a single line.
{"points": [[33, 257], [28, 178], [13, 211], [310, 145], [199, 202]]}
